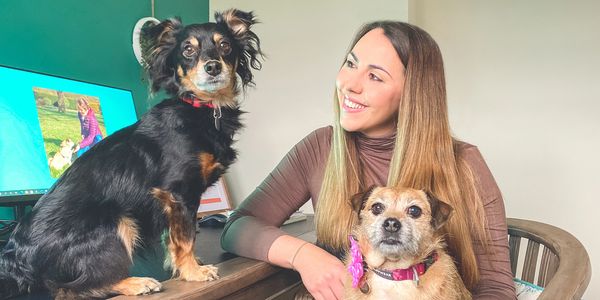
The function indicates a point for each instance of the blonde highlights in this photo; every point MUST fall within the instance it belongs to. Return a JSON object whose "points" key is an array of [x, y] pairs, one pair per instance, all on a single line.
{"points": [[425, 155]]}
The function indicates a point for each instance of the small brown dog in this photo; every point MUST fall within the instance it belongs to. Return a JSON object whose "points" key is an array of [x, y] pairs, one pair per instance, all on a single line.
{"points": [[397, 251]]}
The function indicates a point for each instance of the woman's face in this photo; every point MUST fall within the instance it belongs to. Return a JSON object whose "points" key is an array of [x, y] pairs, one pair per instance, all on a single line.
{"points": [[370, 85], [82, 108]]}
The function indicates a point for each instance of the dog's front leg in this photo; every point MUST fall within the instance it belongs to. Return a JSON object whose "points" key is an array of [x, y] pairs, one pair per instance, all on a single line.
{"points": [[182, 234]]}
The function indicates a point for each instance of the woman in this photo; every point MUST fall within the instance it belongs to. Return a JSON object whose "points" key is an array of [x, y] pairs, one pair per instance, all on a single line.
{"points": [[391, 128], [90, 131]]}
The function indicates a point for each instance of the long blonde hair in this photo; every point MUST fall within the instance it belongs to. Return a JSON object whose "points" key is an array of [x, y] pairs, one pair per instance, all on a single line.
{"points": [[425, 154]]}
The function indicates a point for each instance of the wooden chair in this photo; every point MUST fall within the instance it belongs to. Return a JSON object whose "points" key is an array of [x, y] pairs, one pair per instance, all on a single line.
{"points": [[564, 268]]}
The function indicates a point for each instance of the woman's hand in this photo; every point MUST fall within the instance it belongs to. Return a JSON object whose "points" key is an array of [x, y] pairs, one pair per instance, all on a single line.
{"points": [[322, 273]]}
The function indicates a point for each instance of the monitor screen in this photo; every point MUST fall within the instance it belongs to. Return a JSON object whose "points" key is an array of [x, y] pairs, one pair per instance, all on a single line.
{"points": [[46, 122]]}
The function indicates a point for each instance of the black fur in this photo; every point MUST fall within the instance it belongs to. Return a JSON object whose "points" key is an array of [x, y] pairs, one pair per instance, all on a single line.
{"points": [[69, 240]]}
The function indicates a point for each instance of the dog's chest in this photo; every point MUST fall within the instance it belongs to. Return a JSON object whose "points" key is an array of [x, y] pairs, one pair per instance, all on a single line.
{"points": [[384, 289]]}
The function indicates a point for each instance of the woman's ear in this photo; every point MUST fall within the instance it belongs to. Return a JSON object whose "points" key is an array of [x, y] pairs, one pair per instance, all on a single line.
{"points": [[158, 41]]}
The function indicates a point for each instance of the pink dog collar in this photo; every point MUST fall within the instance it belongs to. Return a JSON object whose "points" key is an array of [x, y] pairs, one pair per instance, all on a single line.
{"points": [[195, 102], [411, 273]]}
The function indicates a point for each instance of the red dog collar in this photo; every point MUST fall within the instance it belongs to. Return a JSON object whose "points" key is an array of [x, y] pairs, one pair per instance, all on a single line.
{"points": [[411, 273], [195, 102]]}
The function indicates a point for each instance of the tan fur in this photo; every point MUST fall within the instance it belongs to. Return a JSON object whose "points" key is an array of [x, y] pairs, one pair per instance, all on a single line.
{"points": [[222, 97], [236, 25], [217, 37], [181, 247], [194, 42], [132, 286], [129, 233], [208, 164], [440, 281]]}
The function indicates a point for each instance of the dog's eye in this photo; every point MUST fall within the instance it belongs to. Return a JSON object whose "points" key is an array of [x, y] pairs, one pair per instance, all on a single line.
{"points": [[414, 211], [377, 208], [225, 47], [188, 51]]}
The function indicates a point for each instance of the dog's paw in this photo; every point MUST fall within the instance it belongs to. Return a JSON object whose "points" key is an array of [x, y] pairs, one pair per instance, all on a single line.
{"points": [[201, 273], [137, 286]]}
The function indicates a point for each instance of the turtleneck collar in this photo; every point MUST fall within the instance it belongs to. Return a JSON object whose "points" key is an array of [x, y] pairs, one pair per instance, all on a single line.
{"points": [[378, 145]]}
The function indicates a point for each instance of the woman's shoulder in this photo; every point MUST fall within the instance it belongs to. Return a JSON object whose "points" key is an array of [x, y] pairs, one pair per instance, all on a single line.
{"points": [[470, 154], [315, 145], [321, 134], [318, 138], [466, 150]]}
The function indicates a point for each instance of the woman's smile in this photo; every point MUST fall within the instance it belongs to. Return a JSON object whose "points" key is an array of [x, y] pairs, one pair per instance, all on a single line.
{"points": [[352, 105]]}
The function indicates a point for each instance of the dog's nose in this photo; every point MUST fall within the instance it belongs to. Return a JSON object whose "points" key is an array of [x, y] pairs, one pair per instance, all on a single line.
{"points": [[391, 225], [213, 68]]}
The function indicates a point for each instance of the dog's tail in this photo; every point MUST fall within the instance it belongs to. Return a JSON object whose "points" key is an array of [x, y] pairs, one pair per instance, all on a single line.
{"points": [[13, 280]]}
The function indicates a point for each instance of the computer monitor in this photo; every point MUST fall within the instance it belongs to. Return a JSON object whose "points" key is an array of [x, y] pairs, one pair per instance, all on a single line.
{"points": [[41, 127]]}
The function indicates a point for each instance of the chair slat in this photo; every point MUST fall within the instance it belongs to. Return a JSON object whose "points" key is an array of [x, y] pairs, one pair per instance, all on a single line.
{"points": [[530, 261], [552, 266], [544, 264], [514, 243]]}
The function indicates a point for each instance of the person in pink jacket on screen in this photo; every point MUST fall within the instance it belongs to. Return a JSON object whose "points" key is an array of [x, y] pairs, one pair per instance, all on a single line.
{"points": [[90, 131]]}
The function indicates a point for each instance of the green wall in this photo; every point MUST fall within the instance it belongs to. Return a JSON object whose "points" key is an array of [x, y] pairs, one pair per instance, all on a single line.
{"points": [[84, 40]]}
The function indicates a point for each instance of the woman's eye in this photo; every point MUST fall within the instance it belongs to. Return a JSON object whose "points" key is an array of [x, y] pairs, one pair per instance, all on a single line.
{"points": [[377, 208], [225, 47], [374, 77], [414, 211], [350, 64], [188, 51]]}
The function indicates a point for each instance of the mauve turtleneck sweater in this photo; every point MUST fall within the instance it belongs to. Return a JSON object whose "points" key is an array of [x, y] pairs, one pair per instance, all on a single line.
{"points": [[254, 225]]}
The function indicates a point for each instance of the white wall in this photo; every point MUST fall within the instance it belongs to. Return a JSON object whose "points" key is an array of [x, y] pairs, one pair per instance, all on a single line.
{"points": [[524, 85], [306, 43]]}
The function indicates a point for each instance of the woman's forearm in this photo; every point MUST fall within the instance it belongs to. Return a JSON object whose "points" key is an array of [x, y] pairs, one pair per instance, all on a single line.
{"points": [[285, 250]]}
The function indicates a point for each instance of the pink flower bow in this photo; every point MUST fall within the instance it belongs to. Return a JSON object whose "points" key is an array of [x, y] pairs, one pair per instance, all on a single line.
{"points": [[356, 263]]}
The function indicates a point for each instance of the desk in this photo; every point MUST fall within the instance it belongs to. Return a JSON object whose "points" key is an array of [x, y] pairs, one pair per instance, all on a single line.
{"points": [[241, 278]]}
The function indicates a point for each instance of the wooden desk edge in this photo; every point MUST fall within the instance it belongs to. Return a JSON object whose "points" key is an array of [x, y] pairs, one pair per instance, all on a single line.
{"points": [[235, 274]]}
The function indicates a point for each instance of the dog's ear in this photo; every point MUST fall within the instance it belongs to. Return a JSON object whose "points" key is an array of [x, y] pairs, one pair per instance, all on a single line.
{"points": [[440, 211], [158, 42], [358, 200], [239, 24]]}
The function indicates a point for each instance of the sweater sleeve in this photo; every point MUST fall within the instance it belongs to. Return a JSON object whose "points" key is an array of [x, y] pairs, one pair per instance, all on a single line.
{"points": [[494, 265], [254, 225]]}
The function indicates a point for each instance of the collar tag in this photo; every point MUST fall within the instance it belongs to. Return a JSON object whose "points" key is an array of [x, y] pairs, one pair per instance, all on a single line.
{"points": [[415, 276], [217, 115]]}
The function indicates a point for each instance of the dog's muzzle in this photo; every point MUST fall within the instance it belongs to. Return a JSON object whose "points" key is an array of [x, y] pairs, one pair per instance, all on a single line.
{"points": [[390, 229], [391, 225], [213, 67]]}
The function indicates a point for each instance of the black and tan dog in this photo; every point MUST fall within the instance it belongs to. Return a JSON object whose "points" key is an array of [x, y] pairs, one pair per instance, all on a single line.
{"points": [[145, 179], [397, 250]]}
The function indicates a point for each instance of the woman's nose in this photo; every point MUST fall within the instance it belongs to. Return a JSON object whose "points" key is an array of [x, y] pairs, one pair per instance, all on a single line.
{"points": [[351, 82]]}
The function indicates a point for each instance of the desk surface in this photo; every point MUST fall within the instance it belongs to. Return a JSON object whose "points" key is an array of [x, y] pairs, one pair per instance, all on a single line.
{"points": [[237, 274]]}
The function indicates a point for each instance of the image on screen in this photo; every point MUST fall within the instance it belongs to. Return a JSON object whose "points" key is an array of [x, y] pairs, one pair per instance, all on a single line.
{"points": [[70, 123], [46, 122]]}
